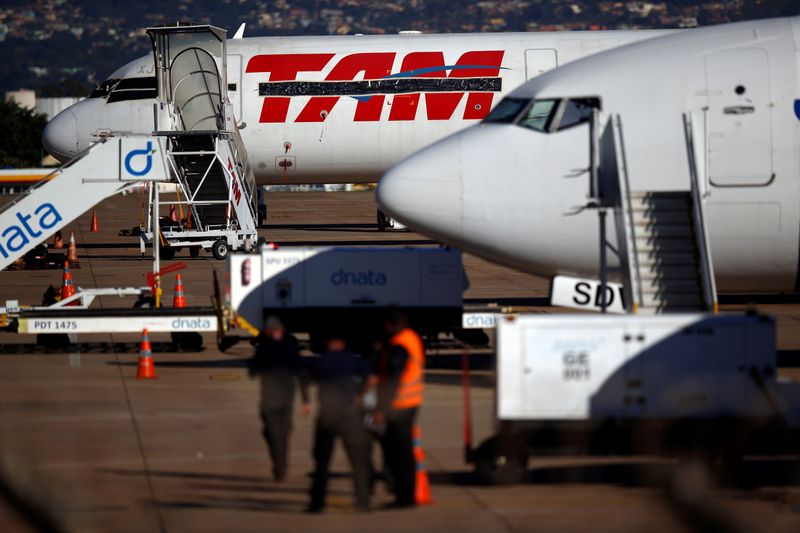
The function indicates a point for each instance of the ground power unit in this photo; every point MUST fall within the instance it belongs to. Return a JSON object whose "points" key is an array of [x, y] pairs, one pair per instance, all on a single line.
{"points": [[671, 384]]}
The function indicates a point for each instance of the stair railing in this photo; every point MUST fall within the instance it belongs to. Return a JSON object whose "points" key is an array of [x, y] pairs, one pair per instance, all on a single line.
{"points": [[612, 187], [698, 217]]}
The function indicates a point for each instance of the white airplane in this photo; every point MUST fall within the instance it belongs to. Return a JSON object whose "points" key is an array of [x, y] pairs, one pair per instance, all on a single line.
{"points": [[507, 189], [340, 109]]}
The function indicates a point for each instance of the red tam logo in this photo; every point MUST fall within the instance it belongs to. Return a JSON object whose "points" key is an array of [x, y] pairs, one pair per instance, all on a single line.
{"points": [[476, 73]]}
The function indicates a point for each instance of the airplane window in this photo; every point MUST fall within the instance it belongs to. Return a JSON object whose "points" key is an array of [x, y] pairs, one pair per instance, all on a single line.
{"points": [[539, 115], [577, 111], [507, 110], [133, 89], [102, 89]]}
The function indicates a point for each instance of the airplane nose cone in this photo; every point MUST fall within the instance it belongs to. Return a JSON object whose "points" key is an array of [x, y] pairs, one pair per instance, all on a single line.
{"points": [[60, 136], [424, 191]]}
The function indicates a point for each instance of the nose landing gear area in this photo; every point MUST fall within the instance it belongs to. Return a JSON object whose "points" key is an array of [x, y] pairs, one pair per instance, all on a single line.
{"points": [[386, 222]]}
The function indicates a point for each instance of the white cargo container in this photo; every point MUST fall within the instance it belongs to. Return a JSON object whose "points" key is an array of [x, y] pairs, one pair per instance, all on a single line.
{"points": [[324, 285], [638, 384], [674, 365]]}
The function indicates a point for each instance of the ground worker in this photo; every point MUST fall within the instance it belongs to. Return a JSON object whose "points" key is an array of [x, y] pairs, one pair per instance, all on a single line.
{"points": [[341, 376], [277, 362], [400, 386]]}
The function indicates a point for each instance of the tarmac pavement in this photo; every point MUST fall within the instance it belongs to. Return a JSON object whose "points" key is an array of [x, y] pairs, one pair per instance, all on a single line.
{"points": [[85, 446]]}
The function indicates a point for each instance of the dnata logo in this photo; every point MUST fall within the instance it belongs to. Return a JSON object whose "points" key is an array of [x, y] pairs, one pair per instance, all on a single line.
{"points": [[191, 323], [27, 227], [343, 277], [147, 152]]}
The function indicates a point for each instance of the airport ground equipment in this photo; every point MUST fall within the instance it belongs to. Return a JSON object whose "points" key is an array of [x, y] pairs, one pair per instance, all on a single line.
{"points": [[671, 384], [655, 380], [66, 317], [195, 143], [204, 150], [663, 244], [100, 172], [386, 222], [316, 289]]}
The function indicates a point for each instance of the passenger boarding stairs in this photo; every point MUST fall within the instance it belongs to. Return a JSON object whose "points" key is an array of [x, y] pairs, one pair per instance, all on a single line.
{"points": [[101, 171], [205, 152], [663, 242]]}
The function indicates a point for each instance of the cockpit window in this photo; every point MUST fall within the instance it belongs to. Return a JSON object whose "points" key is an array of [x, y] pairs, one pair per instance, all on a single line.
{"points": [[577, 111], [103, 89], [507, 110], [558, 114], [539, 115], [133, 89]]}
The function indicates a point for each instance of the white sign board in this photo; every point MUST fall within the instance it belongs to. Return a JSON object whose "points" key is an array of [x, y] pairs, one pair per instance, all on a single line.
{"points": [[579, 293], [141, 159], [119, 324]]}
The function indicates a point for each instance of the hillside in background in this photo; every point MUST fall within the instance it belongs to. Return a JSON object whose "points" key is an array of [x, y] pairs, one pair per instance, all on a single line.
{"points": [[64, 47]]}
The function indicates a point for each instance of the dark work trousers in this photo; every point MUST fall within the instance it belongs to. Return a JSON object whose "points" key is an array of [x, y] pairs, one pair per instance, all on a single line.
{"points": [[277, 426], [399, 450], [358, 446]]}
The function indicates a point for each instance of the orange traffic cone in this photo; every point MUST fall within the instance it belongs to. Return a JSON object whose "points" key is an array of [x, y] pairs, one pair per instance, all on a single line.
{"points": [[147, 369], [72, 251], [178, 300], [422, 493], [58, 241], [67, 288], [189, 219], [95, 227], [173, 216]]}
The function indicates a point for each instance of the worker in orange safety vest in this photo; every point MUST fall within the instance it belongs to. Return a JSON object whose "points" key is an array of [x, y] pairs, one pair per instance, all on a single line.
{"points": [[400, 386]]}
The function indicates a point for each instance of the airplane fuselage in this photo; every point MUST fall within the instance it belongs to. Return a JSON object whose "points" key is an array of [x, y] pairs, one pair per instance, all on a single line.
{"points": [[514, 185], [343, 109]]}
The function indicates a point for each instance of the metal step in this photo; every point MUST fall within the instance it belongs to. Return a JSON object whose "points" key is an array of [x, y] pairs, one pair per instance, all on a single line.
{"points": [[659, 259], [677, 216], [658, 194], [649, 247], [671, 273], [658, 310], [683, 300], [660, 286], [682, 231], [659, 203]]}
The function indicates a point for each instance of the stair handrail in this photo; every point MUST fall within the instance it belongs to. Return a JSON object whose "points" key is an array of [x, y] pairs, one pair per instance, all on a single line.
{"points": [[248, 180], [634, 274], [231, 145], [698, 215], [604, 193]]}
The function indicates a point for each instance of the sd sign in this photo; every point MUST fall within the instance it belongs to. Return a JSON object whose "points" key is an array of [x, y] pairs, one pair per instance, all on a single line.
{"points": [[585, 294]]}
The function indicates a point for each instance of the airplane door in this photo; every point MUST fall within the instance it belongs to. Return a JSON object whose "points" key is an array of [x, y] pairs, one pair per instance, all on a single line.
{"points": [[538, 61], [235, 85], [739, 118]]}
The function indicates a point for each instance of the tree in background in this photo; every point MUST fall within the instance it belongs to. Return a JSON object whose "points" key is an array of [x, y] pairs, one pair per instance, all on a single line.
{"points": [[21, 141]]}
